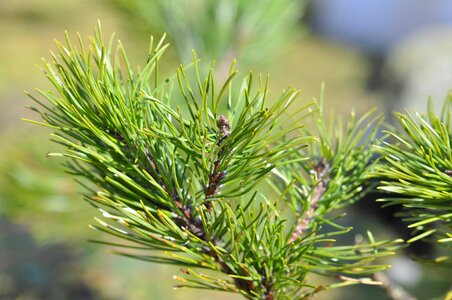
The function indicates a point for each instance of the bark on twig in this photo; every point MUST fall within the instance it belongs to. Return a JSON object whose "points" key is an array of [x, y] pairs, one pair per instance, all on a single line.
{"points": [[320, 170], [224, 130]]}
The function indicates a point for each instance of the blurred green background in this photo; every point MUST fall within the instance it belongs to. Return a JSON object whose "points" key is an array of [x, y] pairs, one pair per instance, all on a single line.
{"points": [[388, 54]]}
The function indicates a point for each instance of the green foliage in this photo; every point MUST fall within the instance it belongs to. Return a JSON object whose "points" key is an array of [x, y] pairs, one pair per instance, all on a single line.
{"points": [[339, 166], [219, 29], [418, 168], [335, 176], [180, 184]]}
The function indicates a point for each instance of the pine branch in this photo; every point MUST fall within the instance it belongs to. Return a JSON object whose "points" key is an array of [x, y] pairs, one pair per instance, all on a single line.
{"points": [[416, 168], [337, 175], [180, 182]]}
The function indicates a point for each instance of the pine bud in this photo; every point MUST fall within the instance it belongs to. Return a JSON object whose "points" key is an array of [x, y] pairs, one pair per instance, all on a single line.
{"points": [[223, 128]]}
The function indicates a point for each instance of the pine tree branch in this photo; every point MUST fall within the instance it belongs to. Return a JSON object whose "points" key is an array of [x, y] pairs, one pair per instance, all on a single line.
{"points": [[182, 184], [417, 166]]}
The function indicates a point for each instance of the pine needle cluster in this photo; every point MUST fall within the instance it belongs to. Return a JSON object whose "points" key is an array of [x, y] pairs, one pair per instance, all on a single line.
{"points": [[416, 167]]}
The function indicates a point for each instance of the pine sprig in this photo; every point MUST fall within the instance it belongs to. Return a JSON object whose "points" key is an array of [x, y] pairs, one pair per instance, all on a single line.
{"points": [[336, 176], [418, 168], [337, 173], [173, 165]]}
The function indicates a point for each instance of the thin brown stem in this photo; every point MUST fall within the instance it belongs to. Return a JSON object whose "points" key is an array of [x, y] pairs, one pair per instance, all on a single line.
{"points": [[214, 183], [320, 170], [224, 130], [195, 226]]}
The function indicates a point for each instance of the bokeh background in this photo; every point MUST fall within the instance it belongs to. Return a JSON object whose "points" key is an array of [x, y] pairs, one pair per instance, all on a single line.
{"points": [[389, 54]]}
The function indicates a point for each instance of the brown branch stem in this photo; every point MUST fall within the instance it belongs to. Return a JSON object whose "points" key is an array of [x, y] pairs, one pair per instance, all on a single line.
{"points": [[224, 130], [321, 169], [186, 218], [194, 225]]}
